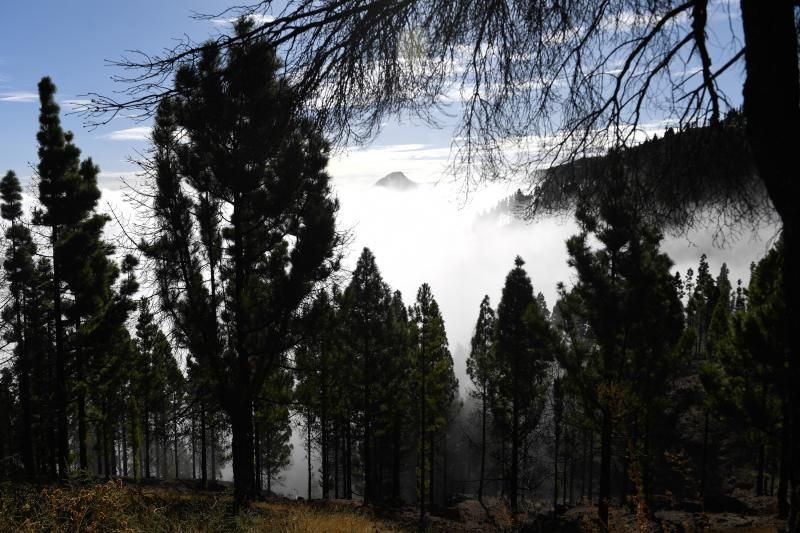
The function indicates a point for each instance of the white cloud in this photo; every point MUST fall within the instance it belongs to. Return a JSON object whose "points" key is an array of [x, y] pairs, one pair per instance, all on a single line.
{"points": [[257, 18], [138, 133], [120, 179], [19, 96]]}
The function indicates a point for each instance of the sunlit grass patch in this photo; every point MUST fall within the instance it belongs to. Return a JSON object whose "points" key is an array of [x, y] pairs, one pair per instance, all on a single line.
{"points": [[298, 517]]}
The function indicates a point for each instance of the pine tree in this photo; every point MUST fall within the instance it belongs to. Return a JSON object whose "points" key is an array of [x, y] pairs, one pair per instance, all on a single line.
{"points": [[622, 320], [365, 316], [436, 386], [68, 193], [19, 267], [481, 368], [278, 238], [525, 344], [396, 390]]}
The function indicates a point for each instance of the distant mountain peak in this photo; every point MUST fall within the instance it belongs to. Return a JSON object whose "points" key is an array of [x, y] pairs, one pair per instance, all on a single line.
{"points": [[397, 181]]}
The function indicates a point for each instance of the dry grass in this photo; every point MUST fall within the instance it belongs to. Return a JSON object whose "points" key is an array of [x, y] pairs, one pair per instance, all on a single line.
{"points": [[296, 517], [116, 507]]}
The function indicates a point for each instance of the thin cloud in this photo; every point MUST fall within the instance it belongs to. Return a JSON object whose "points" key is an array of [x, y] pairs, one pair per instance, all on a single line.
{"points": [[138, 133], [258, 19], [19, 96]]}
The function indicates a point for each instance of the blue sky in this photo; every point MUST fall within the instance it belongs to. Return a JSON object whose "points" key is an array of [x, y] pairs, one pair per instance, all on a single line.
{"points": [[70, 42]]}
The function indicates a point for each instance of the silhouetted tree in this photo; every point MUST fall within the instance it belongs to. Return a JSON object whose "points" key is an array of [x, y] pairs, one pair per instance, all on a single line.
{"points": [[68, 194], [525, 344], [481, 368], [19, 272], [271, 181]]}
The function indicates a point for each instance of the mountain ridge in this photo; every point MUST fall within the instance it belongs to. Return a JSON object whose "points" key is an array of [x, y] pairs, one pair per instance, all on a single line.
{"points": [[396, 180]]}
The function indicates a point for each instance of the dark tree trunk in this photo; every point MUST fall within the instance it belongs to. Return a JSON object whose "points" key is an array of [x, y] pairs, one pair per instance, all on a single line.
{"points": [[564, 472], [61, 373], [591, 467], [605, 469], [772, 110], [336, 440], [106, 452], [82, 427], [175, 435], [98, 448], [431, 472], [194, 452], [242, 448], [513, 478], [483, 444], [308, 452], [396, 435], [124, 449], [368, 466], [325, 449], [27, 418], [146, 441], [571, 471], [760, 474], [786, 461], [203, 446], [213, 454], [422, 427], [555, 468], [258, 459], [348, 462], [704, 469]]}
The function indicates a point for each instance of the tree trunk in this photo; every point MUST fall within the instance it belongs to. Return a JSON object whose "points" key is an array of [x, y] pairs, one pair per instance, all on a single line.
{"points": [[214, 453], [135, 444], [483, 444], [98, 448], [106, 451], [760, 475], [564, 472], [61, 374], [704, 470], [555, 469], [605, 470], [513, 478], [591, 467], [422, 428], [325, 448], [348, 463], [203, 446], [786, 460], [27, 418], [258, 452], [336, 440], [175, 434], [308, 452], [571, 470], [242, 448], [431, 452], [146, 441], [772, 110], [194, 452], [368, 467], [124, 449]]}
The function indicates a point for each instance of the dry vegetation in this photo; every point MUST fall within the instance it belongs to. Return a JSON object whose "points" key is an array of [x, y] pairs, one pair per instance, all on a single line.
{"points": [[118, 507], [115, 506]]}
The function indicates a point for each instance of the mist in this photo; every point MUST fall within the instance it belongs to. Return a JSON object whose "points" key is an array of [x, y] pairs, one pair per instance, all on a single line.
{"points": [[436, 234]]}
